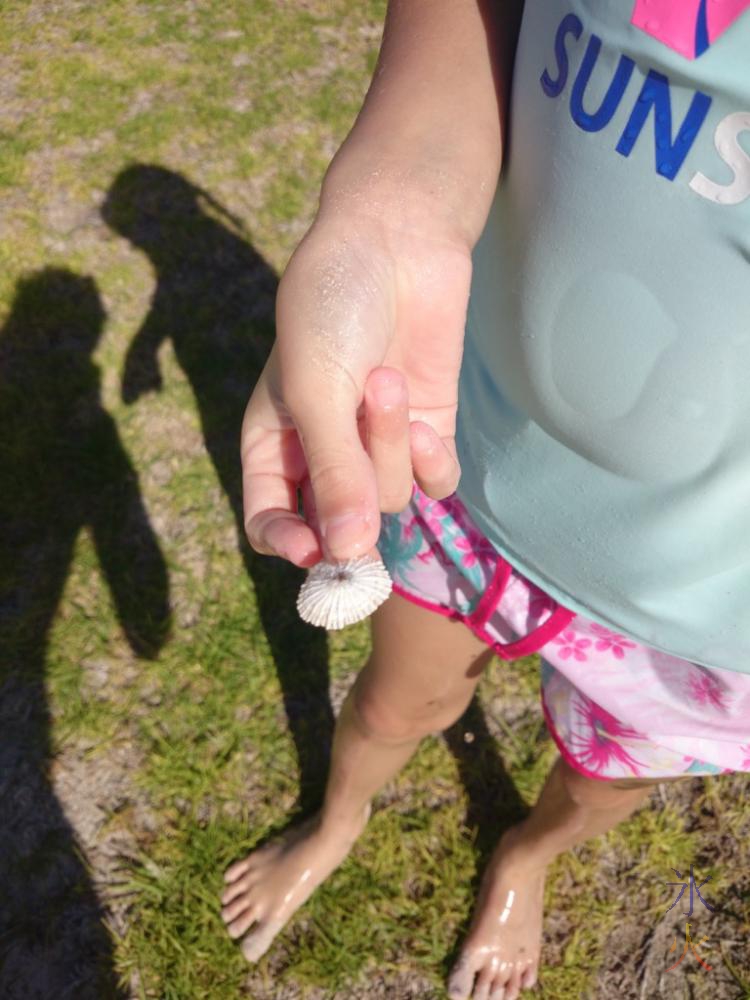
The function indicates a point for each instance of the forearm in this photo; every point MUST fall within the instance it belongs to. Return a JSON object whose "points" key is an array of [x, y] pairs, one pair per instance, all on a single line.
{"points": [[428, 140]]}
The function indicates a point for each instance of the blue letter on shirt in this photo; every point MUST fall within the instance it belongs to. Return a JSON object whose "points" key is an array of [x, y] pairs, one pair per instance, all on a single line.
{"points": [[570, 25], [670, 154], [596, 121]]}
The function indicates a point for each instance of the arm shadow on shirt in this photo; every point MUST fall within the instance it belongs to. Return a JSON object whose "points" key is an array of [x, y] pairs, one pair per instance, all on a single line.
{"points": [[214, 300], [64, 471]]}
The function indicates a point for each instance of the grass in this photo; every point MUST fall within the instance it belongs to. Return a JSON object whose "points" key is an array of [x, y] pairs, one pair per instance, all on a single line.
{"points": [[158, 163]]}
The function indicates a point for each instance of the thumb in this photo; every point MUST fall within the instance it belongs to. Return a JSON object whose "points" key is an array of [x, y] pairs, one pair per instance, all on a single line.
{"points": [[341, 473]]}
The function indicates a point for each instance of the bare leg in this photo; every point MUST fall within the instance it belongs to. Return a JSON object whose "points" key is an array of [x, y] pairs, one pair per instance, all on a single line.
{"points": [[419, 679], [501, 951]]}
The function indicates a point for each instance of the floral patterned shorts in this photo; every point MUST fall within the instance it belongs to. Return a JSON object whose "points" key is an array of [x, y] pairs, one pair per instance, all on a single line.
{"points": [[615, 708]]}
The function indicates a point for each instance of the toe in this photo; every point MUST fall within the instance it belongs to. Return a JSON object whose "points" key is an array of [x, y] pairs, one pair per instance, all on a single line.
{"points": [[239, 887], [237, 869], [513, 983], [258, 941], [238, 926], [529, 976], [484, 981], [256, 859], [461, 979], [233, 910]]}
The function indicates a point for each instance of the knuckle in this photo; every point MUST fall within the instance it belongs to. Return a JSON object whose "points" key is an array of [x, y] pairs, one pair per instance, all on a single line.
{"points": [[309, 383], [331, 473], [394, 502], [256, 541], [439, 489]]}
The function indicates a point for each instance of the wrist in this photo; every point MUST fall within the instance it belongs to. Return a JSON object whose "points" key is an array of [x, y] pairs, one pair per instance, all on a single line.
{"points": [[417, 189], [426, 148]]}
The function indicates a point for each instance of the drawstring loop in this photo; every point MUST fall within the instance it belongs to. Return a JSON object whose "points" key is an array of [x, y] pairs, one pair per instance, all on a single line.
{"points": [[560, 618]]}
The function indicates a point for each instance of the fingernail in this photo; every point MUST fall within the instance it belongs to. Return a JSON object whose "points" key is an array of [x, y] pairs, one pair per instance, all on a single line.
{"points": [[343, 535]]}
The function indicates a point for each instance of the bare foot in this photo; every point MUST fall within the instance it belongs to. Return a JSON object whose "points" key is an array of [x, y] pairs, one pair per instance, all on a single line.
{"points": [[274, 881], [504, 941]]}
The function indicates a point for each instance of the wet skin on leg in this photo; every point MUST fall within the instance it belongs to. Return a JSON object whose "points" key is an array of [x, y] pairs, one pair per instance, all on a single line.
{"points": [[420, 677], [501, 953]]}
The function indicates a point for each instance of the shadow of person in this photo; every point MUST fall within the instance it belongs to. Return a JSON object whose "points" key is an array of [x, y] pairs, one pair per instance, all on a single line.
{"points": [[64, 470], [214, 298]]}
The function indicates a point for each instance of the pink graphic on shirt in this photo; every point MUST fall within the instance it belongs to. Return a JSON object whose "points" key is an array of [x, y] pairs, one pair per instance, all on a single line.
{"points": [[687, 26]]}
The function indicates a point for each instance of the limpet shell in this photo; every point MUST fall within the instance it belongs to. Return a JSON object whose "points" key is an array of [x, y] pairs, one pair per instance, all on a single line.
{"points": [[338, 594]]}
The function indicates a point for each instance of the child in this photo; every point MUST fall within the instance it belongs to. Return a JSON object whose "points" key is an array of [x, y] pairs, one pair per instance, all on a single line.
{"points": [[601, 422]]}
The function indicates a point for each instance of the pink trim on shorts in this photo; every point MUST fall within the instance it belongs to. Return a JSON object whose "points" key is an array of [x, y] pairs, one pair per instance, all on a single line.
{"points": [[495, 590], [526, 645], [540, 636]]}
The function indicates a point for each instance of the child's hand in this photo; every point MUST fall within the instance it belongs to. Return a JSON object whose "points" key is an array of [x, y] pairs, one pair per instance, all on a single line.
{"points": [[359, 394]]}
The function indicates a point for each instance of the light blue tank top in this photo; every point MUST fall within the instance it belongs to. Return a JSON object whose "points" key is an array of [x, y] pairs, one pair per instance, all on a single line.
{"points": [[604, 399]]}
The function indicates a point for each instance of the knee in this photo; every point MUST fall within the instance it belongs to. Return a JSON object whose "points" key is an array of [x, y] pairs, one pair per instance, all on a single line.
{"points": [[386, 719]]}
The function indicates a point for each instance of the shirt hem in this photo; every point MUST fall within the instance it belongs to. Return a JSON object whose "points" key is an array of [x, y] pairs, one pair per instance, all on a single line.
{"points": [[572, 603]]}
